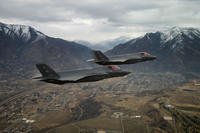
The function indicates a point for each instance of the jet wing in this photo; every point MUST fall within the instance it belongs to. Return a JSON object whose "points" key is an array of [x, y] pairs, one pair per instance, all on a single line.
{"points": [[78, 75], [71, 78], [118, 60], [123, 58]]}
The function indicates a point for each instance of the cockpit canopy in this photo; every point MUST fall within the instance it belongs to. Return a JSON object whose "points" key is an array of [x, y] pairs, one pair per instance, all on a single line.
{"points": [[144, 54], [114, 67]]}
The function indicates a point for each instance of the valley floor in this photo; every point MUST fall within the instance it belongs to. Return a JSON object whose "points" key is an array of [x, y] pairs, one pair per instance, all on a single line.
{"points": [[100, 107]]}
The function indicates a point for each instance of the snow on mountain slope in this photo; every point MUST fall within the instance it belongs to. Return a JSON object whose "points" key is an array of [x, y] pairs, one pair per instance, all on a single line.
{"points": [[178, 32], [21, 32], [21, 47], [177, 36], [177, 49]]}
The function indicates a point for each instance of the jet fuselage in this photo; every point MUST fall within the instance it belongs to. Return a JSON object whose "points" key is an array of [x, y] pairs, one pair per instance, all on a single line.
{"points": [[84, 75], [123, 58]]}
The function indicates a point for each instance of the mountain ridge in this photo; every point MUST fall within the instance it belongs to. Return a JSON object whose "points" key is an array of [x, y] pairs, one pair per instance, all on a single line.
{"points": [[22, 32], [106, 44], [21, 50], [176, 51]]}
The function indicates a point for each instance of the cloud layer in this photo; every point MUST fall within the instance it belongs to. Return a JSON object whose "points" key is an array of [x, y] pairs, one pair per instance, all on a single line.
{"points": [[96, 20]]}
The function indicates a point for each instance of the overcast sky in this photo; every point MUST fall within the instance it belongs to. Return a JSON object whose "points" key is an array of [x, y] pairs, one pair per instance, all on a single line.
{"points": [[96, 20]]}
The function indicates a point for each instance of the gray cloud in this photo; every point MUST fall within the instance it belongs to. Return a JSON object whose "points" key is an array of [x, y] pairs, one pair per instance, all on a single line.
{"points": [[100, 19]]}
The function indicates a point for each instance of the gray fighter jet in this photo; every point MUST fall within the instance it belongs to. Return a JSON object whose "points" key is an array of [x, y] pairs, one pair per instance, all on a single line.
{"points": [[101, 59], [84, 75]]}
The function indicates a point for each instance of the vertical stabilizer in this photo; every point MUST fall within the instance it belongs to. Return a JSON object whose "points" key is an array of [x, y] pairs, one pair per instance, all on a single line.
{"points": [[99, 56], [46, 71]]}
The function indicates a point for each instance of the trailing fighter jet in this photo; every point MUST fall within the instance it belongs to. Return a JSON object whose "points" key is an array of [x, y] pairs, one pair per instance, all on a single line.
{"points": [[101, 59], [84, 75]]}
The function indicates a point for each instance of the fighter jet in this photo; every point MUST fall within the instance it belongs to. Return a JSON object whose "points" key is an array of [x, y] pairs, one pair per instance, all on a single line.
{"points": [[101, 59], [83, 75]]}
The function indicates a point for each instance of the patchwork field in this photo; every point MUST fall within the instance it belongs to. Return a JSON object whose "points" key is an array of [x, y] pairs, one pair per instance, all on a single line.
{"points": [[80, 108]]}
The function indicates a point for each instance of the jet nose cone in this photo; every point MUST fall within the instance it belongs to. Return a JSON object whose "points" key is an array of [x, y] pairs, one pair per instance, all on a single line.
{"points": [[126, 73], [153, 57]]}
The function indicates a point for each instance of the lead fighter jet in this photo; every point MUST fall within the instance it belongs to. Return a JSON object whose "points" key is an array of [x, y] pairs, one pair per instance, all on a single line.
{"points": [[101, 59], [84, 75]]}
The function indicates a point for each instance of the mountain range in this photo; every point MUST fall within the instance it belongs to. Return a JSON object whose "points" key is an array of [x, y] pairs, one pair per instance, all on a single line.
{"points": [[177, 50], [21, 47]]}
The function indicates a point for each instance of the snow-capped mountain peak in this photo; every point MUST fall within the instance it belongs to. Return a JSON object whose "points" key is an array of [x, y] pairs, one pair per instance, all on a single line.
{"points": [[176, 36], [178, 32], [21, 32]]}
